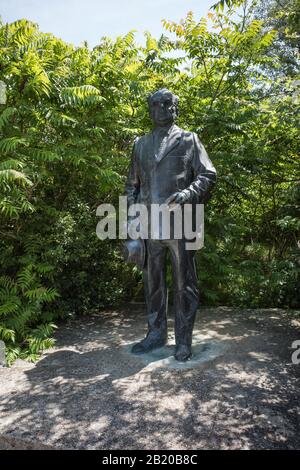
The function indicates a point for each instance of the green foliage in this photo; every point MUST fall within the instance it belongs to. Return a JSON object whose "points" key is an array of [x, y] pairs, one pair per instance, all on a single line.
{"points": [[80, 95], [219, 6], [22, 300], [66, 134]]}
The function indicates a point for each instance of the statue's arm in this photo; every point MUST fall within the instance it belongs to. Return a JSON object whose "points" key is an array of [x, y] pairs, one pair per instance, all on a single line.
{"points": [[132, 185], [204, 173]]}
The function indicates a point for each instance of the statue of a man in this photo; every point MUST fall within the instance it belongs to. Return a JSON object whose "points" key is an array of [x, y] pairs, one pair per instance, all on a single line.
{"points": [[169, 165]]}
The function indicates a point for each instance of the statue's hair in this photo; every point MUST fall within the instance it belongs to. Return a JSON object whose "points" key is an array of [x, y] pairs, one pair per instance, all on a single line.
{"points": [[162, 90]]}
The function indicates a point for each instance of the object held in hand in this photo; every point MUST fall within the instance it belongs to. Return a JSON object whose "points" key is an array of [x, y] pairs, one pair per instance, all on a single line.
{"points": [[134, 251], [177, 198]]}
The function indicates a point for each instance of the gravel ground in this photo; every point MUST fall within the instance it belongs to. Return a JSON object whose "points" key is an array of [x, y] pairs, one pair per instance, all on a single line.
{"points": [[241, 391]]}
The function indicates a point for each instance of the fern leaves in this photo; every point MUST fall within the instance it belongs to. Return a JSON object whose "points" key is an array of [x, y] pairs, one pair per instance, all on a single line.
{"points": [[20, 307], [80, 95], [6, 115], [14, 176], [10, 144]]}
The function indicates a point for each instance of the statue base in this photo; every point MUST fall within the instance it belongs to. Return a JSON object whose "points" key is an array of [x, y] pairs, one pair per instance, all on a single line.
{"points": [[203, 351]]}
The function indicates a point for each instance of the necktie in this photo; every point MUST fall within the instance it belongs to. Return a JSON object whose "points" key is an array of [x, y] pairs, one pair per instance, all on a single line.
{"points": [[160, 138]]}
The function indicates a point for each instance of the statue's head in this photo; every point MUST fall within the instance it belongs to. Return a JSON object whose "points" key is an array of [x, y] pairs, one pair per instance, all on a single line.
{"points": [[163, 107]]}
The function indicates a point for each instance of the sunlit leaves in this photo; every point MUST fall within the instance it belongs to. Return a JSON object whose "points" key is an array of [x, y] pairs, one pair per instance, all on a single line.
{"points": [[81, 95], [151, 43], [14, 176], [219, 6]]}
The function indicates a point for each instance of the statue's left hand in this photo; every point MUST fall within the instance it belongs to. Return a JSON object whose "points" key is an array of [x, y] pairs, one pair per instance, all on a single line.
{"points": [[177, 198]]}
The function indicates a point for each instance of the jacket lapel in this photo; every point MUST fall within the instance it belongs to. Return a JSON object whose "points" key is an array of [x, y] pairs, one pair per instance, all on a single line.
{"points": [[172, 141]]}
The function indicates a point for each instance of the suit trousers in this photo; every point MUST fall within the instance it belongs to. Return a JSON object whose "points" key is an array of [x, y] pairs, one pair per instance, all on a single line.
{"points": [[185, 289]]}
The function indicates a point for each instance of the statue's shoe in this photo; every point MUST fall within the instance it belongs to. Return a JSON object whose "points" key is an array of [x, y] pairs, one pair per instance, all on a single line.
{"points": [[148, 344], [183, 352]]}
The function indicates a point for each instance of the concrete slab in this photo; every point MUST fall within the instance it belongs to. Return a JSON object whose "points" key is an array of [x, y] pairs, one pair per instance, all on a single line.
{"points": [[203, 351]]}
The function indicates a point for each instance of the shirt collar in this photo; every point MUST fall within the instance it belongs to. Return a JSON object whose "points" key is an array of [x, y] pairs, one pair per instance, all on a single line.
{"points": [[164, 129]]}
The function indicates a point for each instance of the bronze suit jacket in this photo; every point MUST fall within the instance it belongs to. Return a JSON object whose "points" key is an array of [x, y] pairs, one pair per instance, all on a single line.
{"points": [[183, 166]]}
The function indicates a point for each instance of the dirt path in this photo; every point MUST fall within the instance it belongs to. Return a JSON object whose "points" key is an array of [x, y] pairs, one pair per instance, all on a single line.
{"points": [[241, 392]]}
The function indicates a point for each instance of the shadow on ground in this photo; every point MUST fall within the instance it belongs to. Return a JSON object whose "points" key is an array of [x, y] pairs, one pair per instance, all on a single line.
{"points": [[90, 392]]}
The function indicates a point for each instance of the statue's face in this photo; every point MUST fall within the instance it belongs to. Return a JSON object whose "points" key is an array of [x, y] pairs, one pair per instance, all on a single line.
{"points": [[163, 110]]}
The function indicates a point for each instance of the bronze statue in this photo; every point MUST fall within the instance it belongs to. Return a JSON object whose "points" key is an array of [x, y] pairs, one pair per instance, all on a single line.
{"points": [[168, 165]]}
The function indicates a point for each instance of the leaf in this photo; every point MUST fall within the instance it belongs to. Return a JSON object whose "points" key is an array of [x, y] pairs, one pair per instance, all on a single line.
{"points": [[7, 334], [81, 95], [9, 144], [6, 115], [43, 155], [14, 176], [42, 294], [151, 43]]}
